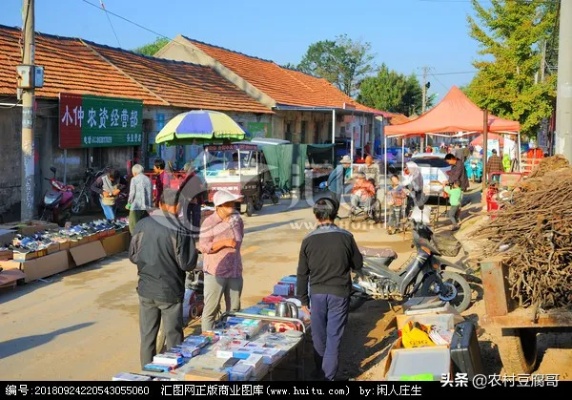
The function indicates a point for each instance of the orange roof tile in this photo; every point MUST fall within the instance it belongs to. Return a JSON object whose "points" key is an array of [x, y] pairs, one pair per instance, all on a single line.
{"points": [[73, 65], [181, 84], [69, 66], [285, 86]]}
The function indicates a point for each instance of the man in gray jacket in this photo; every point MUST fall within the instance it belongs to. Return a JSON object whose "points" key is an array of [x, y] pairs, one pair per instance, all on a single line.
{"points": [[140, 196], [163, 250]]}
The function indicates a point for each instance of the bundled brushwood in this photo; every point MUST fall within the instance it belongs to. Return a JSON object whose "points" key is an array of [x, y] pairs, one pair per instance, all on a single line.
{"points": [[549, 164], [533, 235]]}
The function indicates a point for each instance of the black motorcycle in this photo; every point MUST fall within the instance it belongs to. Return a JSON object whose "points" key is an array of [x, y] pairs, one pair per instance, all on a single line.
{"points": [[84, 198], [423, 275]]}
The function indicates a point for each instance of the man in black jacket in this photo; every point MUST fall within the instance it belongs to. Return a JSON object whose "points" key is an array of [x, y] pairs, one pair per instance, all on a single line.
{"points": [[163, 250], [457, 172], [327, 256]]}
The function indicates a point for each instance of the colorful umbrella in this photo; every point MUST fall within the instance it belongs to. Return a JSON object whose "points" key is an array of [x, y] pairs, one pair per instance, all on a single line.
{"points": [[202, 126]]}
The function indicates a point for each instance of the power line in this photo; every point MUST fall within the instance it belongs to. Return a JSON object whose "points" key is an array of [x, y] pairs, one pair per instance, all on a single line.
{"points": [[110, 23], [127, 20]]}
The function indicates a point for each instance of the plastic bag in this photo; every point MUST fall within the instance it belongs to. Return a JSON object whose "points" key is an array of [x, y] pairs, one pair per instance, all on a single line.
{"points": [[415, 334]]}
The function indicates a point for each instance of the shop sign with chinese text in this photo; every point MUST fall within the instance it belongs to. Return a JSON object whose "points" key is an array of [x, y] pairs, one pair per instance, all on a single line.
{"points": [[95, 121]]}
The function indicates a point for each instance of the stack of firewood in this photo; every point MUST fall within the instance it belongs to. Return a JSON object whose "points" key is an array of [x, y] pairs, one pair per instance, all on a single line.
{"points": [[533, 235]]}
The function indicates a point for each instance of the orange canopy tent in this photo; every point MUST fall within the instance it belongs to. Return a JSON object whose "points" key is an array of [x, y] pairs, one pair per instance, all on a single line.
{"points": [[455, 113]]}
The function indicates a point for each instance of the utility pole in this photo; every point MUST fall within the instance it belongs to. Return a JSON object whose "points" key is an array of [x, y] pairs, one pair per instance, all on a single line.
{"points": [[28, 116], [424, 88], [564, 95]]}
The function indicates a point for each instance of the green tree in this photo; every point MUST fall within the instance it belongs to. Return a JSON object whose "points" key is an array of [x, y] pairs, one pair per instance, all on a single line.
{"points": [[343, 62], [290, 66], [151, 49], [392, 91], [508, 81]]}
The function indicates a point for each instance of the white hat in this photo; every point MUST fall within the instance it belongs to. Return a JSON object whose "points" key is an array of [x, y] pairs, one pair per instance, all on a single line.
{"points": [[346, 160], [222, 196]]}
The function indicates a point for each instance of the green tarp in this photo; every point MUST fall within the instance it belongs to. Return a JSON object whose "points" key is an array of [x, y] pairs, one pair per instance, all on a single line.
{"points": [[287, 162]]}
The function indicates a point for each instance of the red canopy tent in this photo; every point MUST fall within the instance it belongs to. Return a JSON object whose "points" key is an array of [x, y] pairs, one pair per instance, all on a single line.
{"points": [[455, 113]]}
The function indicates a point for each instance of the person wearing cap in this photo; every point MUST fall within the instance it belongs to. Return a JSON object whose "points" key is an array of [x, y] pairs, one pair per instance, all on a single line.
{"points": [[327, 256], [494, 163], [220, 240], [337, 177], [163, 252]]}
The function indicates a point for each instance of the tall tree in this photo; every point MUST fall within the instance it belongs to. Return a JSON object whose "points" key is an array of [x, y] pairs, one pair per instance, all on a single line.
{"points": [[151, 49], [343, 62], [391, 91], [508, 81]]}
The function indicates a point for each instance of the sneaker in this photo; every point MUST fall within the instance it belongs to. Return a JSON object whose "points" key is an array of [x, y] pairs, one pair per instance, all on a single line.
{"points": [[454, 228]]}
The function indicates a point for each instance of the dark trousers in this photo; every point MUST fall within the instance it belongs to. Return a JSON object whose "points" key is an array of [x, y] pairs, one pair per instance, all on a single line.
{"points": [[194, 217], [329, 318], [455, 214], [134, 217], [150, 314]]}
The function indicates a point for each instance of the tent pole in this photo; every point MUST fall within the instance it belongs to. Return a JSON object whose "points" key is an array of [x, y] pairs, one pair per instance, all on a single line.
{"points": [[485, 148], [333, 126], [385, 183], [518, 153]]}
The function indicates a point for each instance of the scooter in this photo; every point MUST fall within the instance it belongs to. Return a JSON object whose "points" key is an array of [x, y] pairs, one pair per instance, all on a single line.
{"points": [[57, 202], [423, 274]]}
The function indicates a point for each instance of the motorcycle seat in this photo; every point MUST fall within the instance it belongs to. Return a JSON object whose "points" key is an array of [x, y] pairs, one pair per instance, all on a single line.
{"points": [[378, 253]]}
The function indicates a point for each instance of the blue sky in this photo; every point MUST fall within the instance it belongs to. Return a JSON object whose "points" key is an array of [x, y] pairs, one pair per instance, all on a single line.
{"points": [[405, 34]]}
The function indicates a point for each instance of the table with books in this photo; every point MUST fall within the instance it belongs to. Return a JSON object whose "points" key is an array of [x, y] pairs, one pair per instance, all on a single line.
{"points": [[244, 346]]}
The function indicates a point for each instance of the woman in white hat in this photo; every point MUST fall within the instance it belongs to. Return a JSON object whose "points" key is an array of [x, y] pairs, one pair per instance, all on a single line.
{"points": [[220, 239]]}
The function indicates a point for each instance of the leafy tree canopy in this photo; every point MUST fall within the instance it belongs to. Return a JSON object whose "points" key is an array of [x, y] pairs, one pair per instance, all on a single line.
{"points": [[152, 48], [510, 81], [393, 92], [343, 62]]}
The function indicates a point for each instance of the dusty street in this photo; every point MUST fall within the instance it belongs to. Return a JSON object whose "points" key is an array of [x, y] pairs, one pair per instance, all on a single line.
{"points": [[83, 324]]}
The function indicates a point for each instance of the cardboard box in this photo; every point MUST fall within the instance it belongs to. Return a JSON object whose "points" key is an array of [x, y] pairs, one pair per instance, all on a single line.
{"points": [[64, 244], [10, 277], [397, 346], [116, 244], [86, 253], [29, 255], [6, 254], [206, 375], [43, 267], [53, 247]]}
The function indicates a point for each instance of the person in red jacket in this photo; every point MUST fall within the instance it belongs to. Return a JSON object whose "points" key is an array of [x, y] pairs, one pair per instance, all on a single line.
{"points": [[162, 180]]}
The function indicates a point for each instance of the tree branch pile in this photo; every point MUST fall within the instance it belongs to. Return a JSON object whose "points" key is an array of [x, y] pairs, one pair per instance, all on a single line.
{"points": [[533, 235]]}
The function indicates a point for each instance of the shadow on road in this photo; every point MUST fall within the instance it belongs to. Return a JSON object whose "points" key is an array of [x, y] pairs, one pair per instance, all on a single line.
{"points": [[22, 344]]}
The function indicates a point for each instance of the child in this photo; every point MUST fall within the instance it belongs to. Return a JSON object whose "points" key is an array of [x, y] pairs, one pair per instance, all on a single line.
{"points": [[396, 198], [455, 197]]}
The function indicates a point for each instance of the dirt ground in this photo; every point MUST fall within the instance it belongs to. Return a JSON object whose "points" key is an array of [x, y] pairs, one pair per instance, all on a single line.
{"points": [[88, 316]]}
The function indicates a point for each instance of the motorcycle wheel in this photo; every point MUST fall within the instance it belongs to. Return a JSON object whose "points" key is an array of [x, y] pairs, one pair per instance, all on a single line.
{"points": [[464, 294], [249, 208], [79, 205], [257, 204], [275, 199]]}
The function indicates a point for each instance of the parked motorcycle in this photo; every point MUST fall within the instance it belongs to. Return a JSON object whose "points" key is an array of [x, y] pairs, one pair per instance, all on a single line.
{"points": [[423, 275], [57, 202], [84, 199]]}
